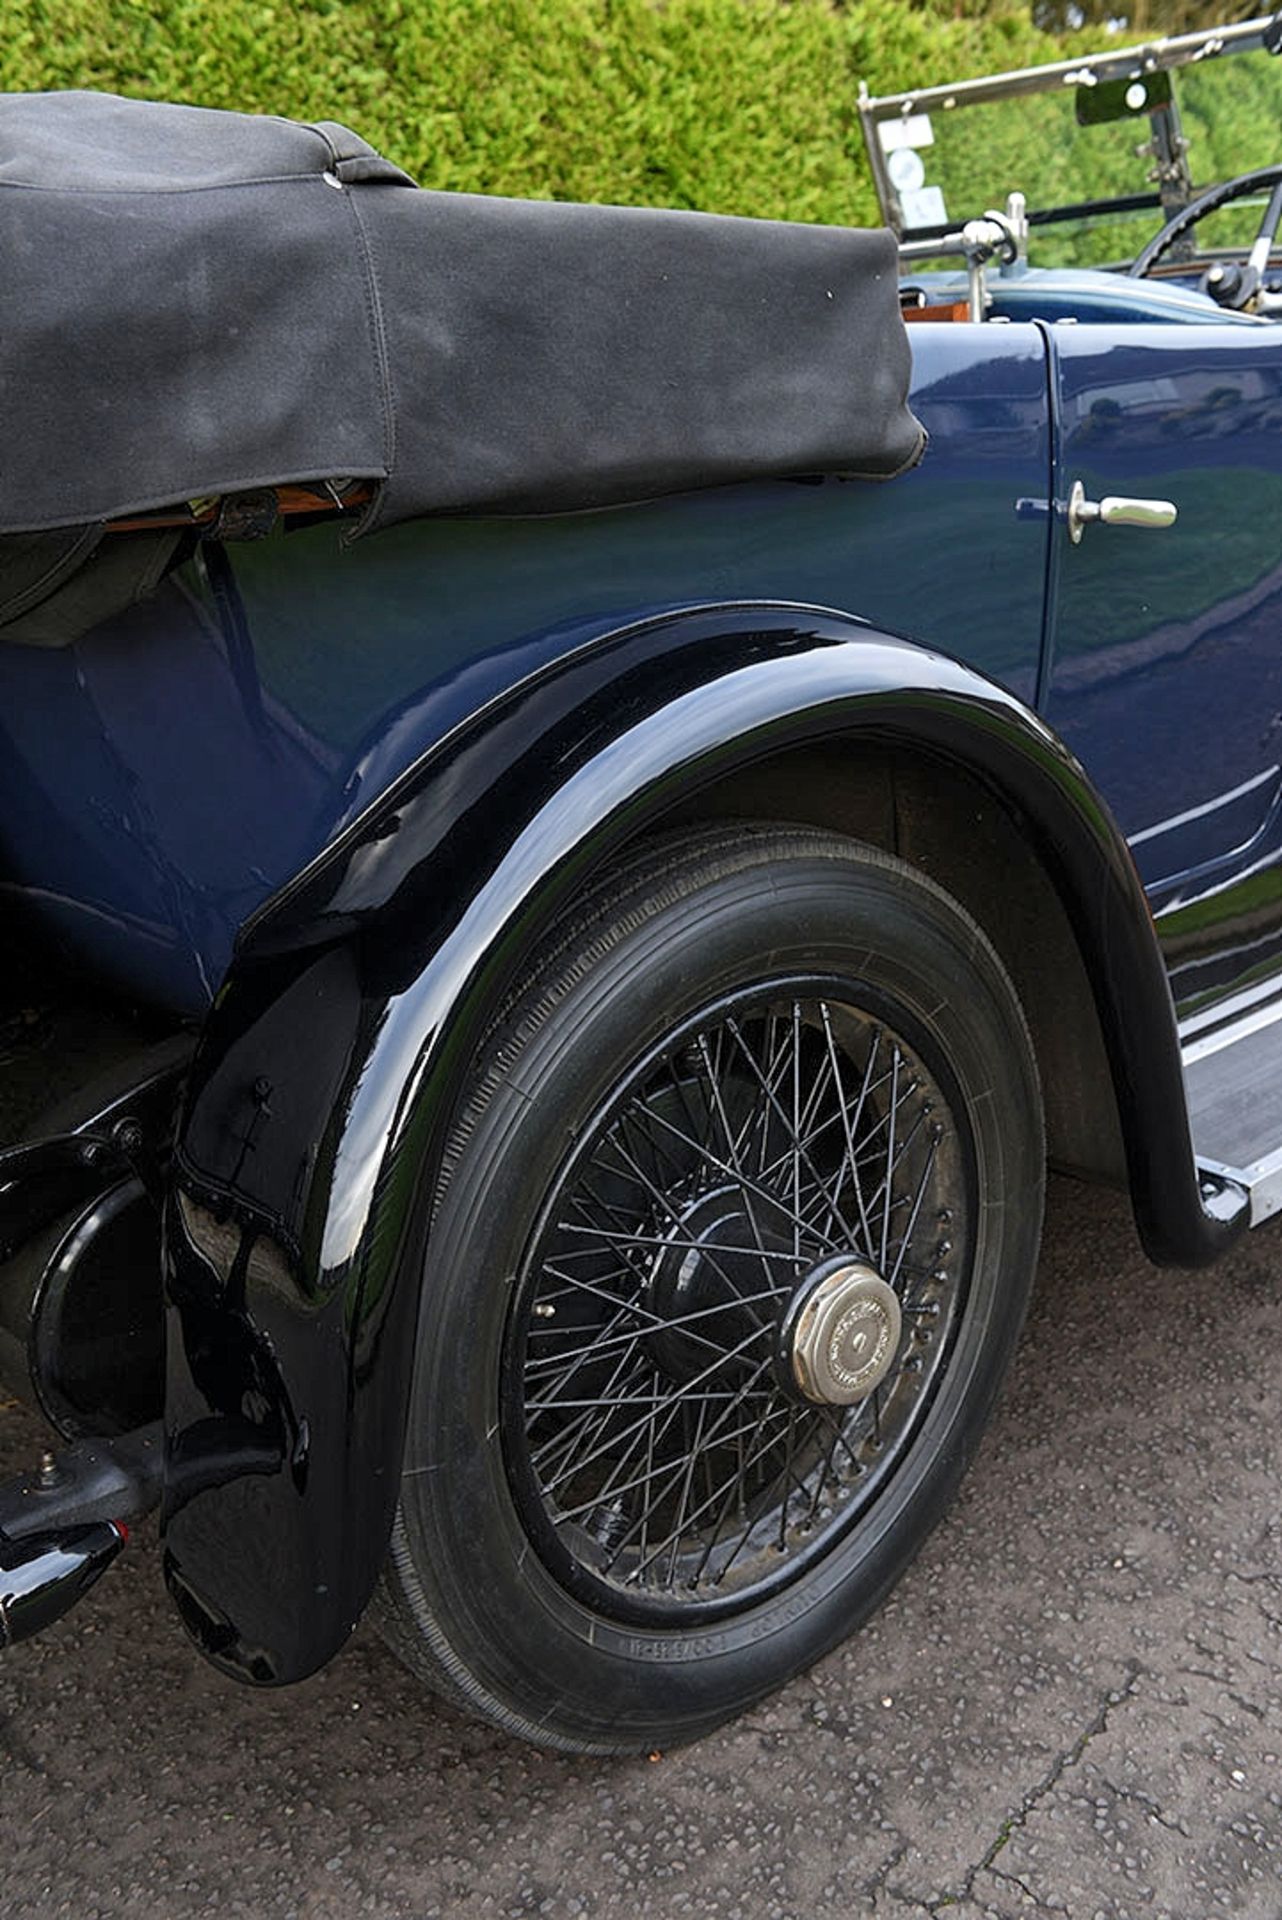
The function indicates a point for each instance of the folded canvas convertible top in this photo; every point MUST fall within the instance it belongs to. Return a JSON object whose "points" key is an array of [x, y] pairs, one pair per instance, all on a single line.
{"points": [[196, 303]]}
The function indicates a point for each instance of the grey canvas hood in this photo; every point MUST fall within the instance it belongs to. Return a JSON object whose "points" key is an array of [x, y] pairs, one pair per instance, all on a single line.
{"points": [[197, 303]]}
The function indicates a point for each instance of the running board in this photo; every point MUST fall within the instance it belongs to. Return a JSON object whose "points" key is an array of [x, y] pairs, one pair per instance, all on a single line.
{"points": [[1233, 1075]]}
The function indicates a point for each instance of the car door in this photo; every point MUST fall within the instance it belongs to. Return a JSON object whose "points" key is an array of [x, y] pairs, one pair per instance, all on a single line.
{"points": [[1165, 657]]}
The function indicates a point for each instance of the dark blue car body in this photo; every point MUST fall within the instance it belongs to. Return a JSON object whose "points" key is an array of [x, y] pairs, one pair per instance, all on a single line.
{"points": [[316, 805], [164, 778]]}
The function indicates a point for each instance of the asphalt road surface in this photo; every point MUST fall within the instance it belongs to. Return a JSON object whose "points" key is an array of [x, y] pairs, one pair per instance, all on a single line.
{"points": [[1072, 1704]]}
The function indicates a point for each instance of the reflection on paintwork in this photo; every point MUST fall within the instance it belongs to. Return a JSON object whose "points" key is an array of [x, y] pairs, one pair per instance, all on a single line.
{"points": [[147, 793], [1226, 936], [1227, 828], [212, 773], [1167, 673]]}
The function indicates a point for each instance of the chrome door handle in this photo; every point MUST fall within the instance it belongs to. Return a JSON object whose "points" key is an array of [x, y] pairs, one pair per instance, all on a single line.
{"points": [[1116, 510]]}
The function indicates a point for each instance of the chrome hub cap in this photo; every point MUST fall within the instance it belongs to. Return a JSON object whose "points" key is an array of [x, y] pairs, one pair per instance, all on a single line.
{"points": [[845, 1337]]}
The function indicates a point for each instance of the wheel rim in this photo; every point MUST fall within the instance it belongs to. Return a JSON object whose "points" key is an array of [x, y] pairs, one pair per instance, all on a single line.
{"points": [[795, 1150]]}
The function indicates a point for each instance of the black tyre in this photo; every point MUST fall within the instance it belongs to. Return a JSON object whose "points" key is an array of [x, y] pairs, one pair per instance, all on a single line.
{"points": [[733, 1246]]}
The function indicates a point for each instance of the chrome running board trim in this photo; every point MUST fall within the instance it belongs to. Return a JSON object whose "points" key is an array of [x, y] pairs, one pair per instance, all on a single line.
{"points": [[1235, 1106], [1218, 1038], [1223, 1013]]}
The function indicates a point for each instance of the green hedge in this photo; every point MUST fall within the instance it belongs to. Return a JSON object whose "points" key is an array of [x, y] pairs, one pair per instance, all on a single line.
{"points": [[743, 106]]}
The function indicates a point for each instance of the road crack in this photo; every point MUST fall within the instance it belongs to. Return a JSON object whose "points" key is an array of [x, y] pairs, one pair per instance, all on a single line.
{"points": [[876, 1881], [1016, 1820], [1013, 1880], [1149, 1805], [1254, 1579]]}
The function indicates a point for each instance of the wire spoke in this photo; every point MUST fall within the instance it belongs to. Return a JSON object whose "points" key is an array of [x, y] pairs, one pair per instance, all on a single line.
{"points": [[750, 1185], [824, 1475], [784, 1474], [677, 1393], [590, 1426], [798, 1150], [593, 1350], [777, 1415], [911, 1228], [684, 1462], [662, 1200], [731, 1145]]}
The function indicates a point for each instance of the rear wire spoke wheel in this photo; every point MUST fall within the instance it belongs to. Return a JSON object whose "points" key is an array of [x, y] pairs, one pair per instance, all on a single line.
{"points": [[733, 1244], [667, 1455]]}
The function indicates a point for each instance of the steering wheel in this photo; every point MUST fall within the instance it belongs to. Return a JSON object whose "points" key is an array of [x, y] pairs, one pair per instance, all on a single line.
{"points": [[1235, 285]]}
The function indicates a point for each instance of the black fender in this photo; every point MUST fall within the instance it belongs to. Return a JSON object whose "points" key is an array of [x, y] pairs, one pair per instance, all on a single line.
{"points": [[344, 1033]]}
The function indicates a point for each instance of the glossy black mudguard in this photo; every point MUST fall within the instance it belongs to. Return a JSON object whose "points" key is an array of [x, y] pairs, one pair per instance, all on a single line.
{"points": [[345, 1032]]}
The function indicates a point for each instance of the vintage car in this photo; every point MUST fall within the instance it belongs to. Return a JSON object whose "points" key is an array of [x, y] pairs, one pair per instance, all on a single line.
{"points": [[594, 865]]}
